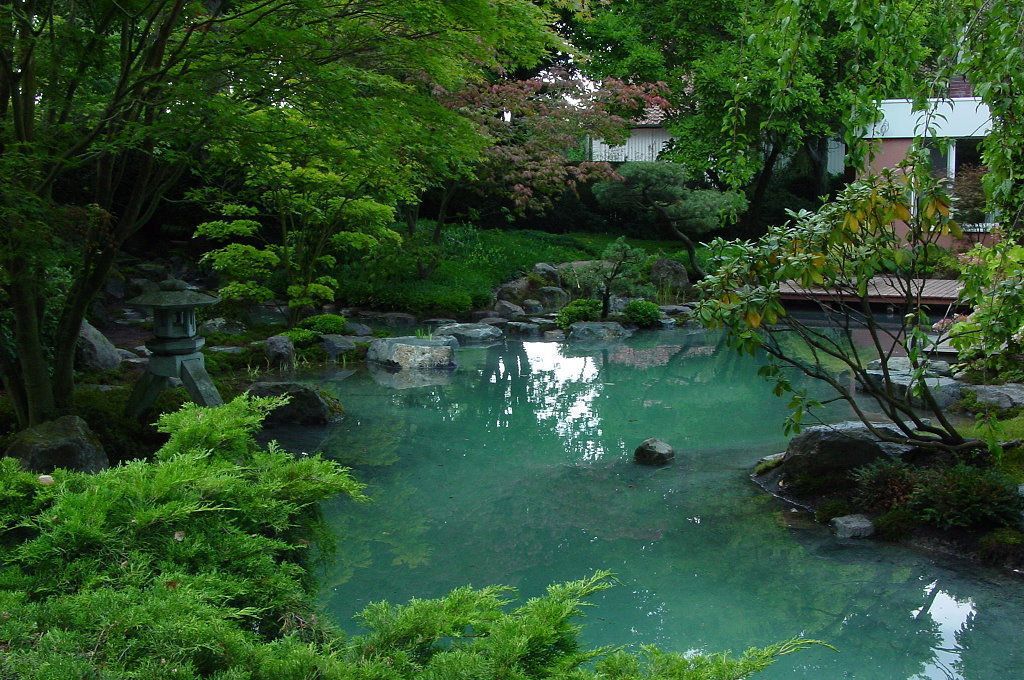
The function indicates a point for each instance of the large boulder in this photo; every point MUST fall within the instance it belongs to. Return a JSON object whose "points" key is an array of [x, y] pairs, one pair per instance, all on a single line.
{"points": [[945, 391], [548, 273], [552, 298], [828, 452], [306, 405], [66, 442], [522, 329], [514, 290], [279, 350], [1002, 397], [94, 352], [221, 325], [531, 306], [653, 452], [412, 353], [337, 344], [852, 526], [669, 275], [597, 331], [471, 333], [508, 310]]}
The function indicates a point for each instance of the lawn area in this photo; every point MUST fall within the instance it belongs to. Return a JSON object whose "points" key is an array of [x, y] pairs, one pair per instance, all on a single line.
{"points": [[469, 264]]}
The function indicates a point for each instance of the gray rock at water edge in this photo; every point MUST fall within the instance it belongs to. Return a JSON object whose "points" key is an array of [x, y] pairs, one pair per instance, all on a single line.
{"points": [[933, 367], [434, 323], [336, 344], [852, 526], [471, 333], [531, 306], [514, 290], [356, 328], [412, 353], [669, 275], [508, 310], [552, 298], [597, 331], [667, 323], [225, 349], [496, 321], [94, 352], [676, 310], [522, 329], [398, 320], [832, 451], [653, 452], [548, 272], [1010, 395], [66, 442], [554, 336], [306, 405], [544, 323], [279, 350], [945, 391], [221, 325]]}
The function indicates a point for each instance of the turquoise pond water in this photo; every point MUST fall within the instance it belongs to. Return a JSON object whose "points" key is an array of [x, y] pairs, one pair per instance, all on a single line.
{"points": [[518, 471]]}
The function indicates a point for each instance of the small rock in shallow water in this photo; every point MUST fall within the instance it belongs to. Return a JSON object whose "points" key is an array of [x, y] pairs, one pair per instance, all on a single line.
{"points": [[852, 526], [653, 452]]}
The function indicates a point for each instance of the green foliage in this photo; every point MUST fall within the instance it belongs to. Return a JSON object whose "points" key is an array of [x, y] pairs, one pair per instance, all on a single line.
{"points": [[967, 497], [884, 485], [195, 566], [302, 337], [833, 507], [325, 324], [895, 524], [642, 313], [581, 309]]}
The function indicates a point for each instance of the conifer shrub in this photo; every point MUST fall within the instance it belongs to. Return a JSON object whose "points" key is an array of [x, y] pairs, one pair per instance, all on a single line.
{"points": [[642, 313], [194, 565]]}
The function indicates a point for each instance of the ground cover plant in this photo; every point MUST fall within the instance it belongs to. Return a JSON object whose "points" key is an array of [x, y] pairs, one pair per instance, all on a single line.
{"points": [[197, 565]]}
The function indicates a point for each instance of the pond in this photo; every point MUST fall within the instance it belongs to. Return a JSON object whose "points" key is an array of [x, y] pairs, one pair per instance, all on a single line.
{"points": [[519, 471]]}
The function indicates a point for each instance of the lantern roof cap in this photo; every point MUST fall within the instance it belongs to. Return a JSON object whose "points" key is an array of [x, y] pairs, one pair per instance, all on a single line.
{"points": [[173, 294]]}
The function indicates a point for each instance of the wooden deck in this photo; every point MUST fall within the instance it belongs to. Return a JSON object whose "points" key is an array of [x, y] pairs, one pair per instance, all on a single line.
{"points": [[882, 290]]}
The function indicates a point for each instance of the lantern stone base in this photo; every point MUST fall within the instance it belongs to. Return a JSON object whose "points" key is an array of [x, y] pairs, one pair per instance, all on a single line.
{"points": [[189, 367]]}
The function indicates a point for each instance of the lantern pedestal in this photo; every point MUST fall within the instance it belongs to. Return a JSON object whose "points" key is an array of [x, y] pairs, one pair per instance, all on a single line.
{"points": [[176, 348]]}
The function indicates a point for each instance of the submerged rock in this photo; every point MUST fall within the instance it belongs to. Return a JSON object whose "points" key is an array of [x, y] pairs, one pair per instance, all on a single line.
{"points": [[409, 352], [94, 352], [408, 378], [653, 452], [66, 442], [597, 331], [471, 333], [852, 526], [306, 405]]}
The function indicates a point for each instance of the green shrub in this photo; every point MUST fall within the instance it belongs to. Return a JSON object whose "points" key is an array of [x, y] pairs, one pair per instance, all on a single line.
{"points": [[642, 313], [968, 497], [833, 507], [896, 524], [883, 485], [195, 566], [302, 337], [325, 324], [1001, 544], [583, 309]]}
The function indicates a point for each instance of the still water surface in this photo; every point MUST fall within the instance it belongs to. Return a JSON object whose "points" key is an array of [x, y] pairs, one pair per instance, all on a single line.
{"points": [[517, 470]]}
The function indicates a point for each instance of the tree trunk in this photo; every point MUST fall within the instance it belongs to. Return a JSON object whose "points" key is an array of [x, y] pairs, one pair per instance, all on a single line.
{"points": [[817, 154], [749, 222], [33, 370], [606, 301], [442, 212], [411, 212]]}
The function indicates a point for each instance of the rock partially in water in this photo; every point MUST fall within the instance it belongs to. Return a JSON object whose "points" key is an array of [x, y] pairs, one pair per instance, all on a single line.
{"points": [[471, 333], [306, 405], [434, 323], [66, 442], [544, 323], [676, 310], [826, 454], [412, 353], [522, 329], [498, 321], [552, 298], [279, 350], [1002, 397], [653, 452], [337, 344], [398, 320], [94, 352], [853, 526], [508, 310], [358, 329], [597, 331]]}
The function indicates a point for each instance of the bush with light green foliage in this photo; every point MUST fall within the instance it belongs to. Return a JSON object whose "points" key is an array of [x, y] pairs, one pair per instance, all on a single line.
{"points": [[194, 566], [642, 313], [582, 309], [325, 324]]}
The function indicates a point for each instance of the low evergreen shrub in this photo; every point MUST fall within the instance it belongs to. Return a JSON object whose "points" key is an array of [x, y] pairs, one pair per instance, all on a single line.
{"points": [[896, 524], [642, 313], [967, 497], [833, 507], [1001, 544], [884, 485], [325, 324], [582, 309]]}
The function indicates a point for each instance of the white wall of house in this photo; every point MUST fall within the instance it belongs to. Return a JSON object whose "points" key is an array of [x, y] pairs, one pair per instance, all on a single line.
{"points": [[644, 144], [961, 117]]}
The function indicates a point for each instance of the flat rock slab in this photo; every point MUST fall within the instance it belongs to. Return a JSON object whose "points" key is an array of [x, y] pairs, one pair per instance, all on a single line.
{"points": [[412, 353], [853, 526], [1010, 395], [471, 333], [676, 310], [597, 331]]}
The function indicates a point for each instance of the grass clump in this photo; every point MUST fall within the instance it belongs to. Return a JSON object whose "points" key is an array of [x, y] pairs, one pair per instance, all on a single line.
{"points": [[642, 313], [582, 309]]}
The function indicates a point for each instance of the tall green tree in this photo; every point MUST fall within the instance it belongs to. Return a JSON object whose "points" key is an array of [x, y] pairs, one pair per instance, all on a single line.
{"points": [[104, 106]]}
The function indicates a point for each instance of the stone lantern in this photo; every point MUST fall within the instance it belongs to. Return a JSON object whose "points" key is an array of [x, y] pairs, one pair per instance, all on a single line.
{"points": [[176, 347]]}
